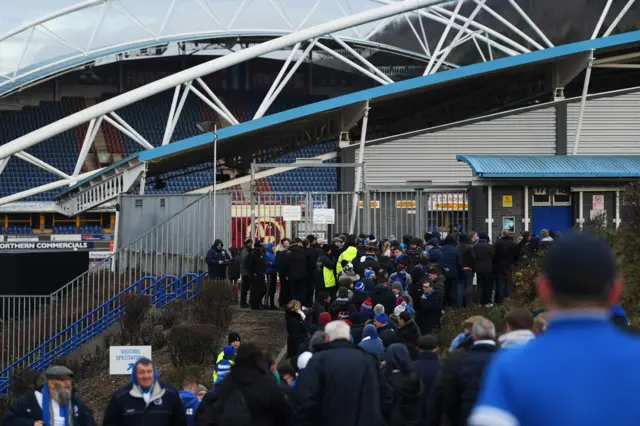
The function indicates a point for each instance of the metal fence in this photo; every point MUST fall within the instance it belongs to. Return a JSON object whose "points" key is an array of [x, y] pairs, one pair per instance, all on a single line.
{"points": [[271, 216], [171, 251]]}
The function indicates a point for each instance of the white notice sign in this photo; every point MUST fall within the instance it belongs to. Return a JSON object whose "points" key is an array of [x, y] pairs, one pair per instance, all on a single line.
{"points": [[324, 216], [291, 213], [123, 358], [598, 203]]}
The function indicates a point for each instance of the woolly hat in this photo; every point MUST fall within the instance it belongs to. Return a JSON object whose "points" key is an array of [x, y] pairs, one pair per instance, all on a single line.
{"points": [[368, 273], [433, 242], [359, 287], [348, 269], [366, 305], [382, 318], [401, 267], [303, 360], [396, 286], [324, 318], [344, 316], [233, 337]]}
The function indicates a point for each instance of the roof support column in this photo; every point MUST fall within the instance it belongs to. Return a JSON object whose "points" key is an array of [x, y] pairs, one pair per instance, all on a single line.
{"points": [[359, 178], [583, 103], [561, 128], [617, 219], [490, 212], [526, 208], [581, 209]]}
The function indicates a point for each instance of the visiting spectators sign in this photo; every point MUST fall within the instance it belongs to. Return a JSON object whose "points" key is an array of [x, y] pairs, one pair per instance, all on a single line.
{"points": [[123, 358], [324, 216]]}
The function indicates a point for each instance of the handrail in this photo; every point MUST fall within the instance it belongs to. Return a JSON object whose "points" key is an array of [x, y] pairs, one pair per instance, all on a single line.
{"points": [[109, 317]]}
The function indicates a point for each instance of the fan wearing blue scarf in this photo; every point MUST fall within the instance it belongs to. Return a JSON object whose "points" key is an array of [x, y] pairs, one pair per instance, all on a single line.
{"points": [[53, 405]]}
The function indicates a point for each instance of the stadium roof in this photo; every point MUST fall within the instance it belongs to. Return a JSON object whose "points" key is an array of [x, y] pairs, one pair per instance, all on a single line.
{"points": [[53, 67], [396, 96], [552, 166]]}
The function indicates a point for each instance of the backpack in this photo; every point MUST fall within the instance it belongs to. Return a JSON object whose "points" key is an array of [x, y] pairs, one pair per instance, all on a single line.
{"points": [[235, 411]]}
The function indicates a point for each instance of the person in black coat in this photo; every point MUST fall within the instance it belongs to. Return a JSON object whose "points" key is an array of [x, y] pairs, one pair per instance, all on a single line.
{"points": [[296, 262], [34, 407], [263, 403], [451, 266], [340, 384], [484, 253], [386, 329], [428, 309], [506, 256], [427, 366], [409, 333], [406, 407], [281, 269], [145, 401], [469, 266], [254, 265], [217, 259], [460, 382], [296, 324]]}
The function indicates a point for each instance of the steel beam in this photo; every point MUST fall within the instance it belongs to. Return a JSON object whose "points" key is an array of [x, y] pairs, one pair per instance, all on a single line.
{"points": [[41, 164], [583, 104], [621, 15], [135, 95]]}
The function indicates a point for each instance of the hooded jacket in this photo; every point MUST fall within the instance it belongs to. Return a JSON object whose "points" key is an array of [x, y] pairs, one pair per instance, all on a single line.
{"points": [[515, 338], [349, 255], [371, 343], [244, 253], [191, 402], [407, 407], [296, 264], [127, 406], [270, 259], [213, 259]]}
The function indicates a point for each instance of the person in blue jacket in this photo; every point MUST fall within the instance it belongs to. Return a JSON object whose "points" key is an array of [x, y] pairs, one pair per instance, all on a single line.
{"points": [[189, 397], [145, 401], [584, 383], [272, 276]]}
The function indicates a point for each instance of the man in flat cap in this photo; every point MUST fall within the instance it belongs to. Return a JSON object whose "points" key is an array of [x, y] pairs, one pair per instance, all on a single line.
{"points": [[52, 405]]}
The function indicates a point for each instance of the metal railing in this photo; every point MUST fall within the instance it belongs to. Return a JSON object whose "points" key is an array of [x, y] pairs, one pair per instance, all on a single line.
{"points": [[381, 212], [162, 291], [175, 248]]}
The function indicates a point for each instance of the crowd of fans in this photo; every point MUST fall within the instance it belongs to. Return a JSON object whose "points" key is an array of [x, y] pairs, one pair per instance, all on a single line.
{"points": [[366, 354]]}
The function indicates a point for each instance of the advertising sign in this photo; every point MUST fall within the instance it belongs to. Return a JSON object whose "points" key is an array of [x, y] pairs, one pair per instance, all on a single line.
{"points": [[123, 358]]}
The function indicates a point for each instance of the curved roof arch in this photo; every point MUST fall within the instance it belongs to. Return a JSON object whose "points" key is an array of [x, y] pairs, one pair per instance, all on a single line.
{"points": [[94, 29], [33, 74]]}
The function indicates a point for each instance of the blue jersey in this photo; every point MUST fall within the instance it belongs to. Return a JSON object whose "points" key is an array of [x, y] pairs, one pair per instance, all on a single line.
{"points": [[191, 403], [582, 371]]}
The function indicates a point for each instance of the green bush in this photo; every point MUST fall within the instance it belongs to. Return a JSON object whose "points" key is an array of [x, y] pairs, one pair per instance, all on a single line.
{"points": [[134, 322], [627, 245]]}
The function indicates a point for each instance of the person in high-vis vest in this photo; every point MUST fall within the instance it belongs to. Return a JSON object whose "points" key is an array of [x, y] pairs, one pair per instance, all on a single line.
{"points": [[349, 254], [325, 275], [223, 367]]}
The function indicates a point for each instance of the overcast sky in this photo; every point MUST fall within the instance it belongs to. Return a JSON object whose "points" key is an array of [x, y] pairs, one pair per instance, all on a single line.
{"points": [[187, 16]]}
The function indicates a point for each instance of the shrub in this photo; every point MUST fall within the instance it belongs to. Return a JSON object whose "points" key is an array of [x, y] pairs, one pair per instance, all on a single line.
{"points": [[177, 375], [134, 319], [190, 344], [214, 304], [627, 244]]}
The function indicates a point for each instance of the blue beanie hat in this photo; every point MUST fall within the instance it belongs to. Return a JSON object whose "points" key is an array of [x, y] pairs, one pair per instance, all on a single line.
{"points": [[229, 351], [382, 318], [368, 273], [617, 311], [359, 286]]}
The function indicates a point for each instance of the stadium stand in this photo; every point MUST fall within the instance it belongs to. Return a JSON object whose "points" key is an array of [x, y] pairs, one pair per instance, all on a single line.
{"points": [[61, 151]]}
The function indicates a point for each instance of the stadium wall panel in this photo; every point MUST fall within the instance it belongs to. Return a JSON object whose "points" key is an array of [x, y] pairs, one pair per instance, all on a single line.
{"points": [[432, 156], [611, 126]]}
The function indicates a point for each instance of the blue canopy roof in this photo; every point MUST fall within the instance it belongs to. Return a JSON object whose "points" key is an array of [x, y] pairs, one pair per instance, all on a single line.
{"points": [[552, 166]]}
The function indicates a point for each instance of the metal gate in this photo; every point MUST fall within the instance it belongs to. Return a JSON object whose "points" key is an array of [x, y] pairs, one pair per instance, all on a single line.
{"points": [[271, 216]]}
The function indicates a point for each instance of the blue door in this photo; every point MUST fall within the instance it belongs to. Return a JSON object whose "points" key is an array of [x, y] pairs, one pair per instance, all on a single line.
{"points": [[559, 219]]}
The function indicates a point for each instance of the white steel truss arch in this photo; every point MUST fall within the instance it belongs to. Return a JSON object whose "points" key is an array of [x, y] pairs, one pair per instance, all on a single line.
{"points": [[300, 43]]}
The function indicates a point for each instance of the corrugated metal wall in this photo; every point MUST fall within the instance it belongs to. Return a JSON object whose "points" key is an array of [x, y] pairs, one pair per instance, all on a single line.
{"points": [[432, 156], [611, 126]]}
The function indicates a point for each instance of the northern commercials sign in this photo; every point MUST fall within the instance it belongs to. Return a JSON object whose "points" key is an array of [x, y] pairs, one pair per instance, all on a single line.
{"points": [[44, 245]]}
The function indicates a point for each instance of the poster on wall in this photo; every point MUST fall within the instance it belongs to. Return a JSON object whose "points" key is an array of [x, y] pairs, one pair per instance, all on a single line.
{"points": [[291, 213], [324, 216], [507, 201], [509, 224], [598, 203]]}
